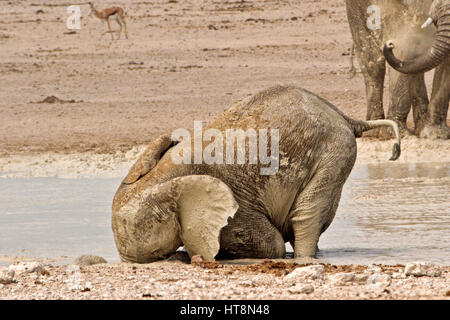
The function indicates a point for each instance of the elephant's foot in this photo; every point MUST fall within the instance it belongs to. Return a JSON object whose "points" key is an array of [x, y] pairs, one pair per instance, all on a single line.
{"points": [[435, 132], [250, 235]]}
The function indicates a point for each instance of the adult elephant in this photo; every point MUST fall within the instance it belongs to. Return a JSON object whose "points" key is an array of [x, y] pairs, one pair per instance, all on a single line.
{"points": [[437, 56], [372, 23], [242, 209]]}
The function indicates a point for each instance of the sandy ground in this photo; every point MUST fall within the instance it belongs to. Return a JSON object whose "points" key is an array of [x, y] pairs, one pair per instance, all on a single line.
{"points": [[269, 280], [184, 61]]}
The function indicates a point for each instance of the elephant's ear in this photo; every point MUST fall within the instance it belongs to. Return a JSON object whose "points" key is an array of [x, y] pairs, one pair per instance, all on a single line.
{"points": [[204, 205], [148, 160]]}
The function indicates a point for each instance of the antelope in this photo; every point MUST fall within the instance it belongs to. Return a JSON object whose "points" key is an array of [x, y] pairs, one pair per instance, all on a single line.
{"points": [[106, 14]]}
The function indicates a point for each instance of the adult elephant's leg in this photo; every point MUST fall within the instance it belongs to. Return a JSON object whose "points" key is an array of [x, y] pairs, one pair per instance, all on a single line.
{"points": [[374, 73], [315, 208], [250, 235], [439, 104], [370, 58], [400, 98], [420, 102]]}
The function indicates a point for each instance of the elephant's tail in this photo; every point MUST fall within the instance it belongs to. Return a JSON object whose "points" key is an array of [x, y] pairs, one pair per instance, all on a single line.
{"points": [[363, 126]]}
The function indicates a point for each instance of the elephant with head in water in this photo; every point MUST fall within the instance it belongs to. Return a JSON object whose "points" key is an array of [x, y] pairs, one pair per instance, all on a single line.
{"points": [[242, 209]]}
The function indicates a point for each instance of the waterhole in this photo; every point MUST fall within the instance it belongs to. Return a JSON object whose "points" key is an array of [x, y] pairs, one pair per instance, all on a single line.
{"points": [[389, 213]]}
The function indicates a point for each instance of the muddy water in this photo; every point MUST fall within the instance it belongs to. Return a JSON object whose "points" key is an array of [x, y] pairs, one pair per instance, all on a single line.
{"points": [[56, 218], [392, 213]]}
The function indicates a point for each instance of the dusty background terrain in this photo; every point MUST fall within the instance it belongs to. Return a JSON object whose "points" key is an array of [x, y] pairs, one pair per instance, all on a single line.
{"points": [[184, 61]]}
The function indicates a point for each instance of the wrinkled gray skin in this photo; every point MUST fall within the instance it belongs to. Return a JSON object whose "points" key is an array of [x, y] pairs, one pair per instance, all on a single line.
{"points": [[401, 23], [232, 211], [437, 56]]}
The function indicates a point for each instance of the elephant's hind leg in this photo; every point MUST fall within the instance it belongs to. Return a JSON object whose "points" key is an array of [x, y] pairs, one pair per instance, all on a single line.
{"points": [[251, 236], [315, 207], [310, 221]]}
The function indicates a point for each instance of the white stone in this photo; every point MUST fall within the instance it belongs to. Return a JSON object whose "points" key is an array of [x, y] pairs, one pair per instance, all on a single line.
{"points": [[301, 289], [378, 278], [6, 276], [377, 288], [421, 269], [342, 278], [27, 267], [305, 273], [398, 275]]}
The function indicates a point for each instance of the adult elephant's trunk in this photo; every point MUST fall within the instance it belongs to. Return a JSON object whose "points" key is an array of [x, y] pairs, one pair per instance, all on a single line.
{"points": [[439, 50]]}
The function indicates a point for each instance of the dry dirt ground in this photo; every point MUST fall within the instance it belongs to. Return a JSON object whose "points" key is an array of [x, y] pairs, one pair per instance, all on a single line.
{"points": [[77, 104], [184, 61], [269, 280]]}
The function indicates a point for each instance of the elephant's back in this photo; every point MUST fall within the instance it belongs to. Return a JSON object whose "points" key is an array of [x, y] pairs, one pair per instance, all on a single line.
{"points": [[289, 109], [312, 134]]}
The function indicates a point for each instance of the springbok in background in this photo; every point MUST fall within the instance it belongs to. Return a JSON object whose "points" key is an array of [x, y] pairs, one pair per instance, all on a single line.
{"points": [[106, 14]]}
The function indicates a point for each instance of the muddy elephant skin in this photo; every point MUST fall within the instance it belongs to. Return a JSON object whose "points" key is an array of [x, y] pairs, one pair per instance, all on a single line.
{"points": [[232, 210]]}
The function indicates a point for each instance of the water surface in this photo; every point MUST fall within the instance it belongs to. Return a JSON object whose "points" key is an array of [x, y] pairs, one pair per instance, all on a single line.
{"points": [[390, 213]]}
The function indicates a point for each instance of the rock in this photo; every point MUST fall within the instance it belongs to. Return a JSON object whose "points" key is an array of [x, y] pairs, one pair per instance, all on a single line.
{"points": [[301, 289], [28, 267], [305, 273], [342, 278], [6, 276], [421, 269], [89, 260], [378, 278], [74, 279]]}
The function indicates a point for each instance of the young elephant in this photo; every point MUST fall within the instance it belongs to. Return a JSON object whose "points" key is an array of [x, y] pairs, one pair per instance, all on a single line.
{"points": [[232, 210]]}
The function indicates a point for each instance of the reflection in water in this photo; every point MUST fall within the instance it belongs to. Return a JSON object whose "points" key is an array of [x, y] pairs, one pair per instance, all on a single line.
{"points": [[391, 213]]}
